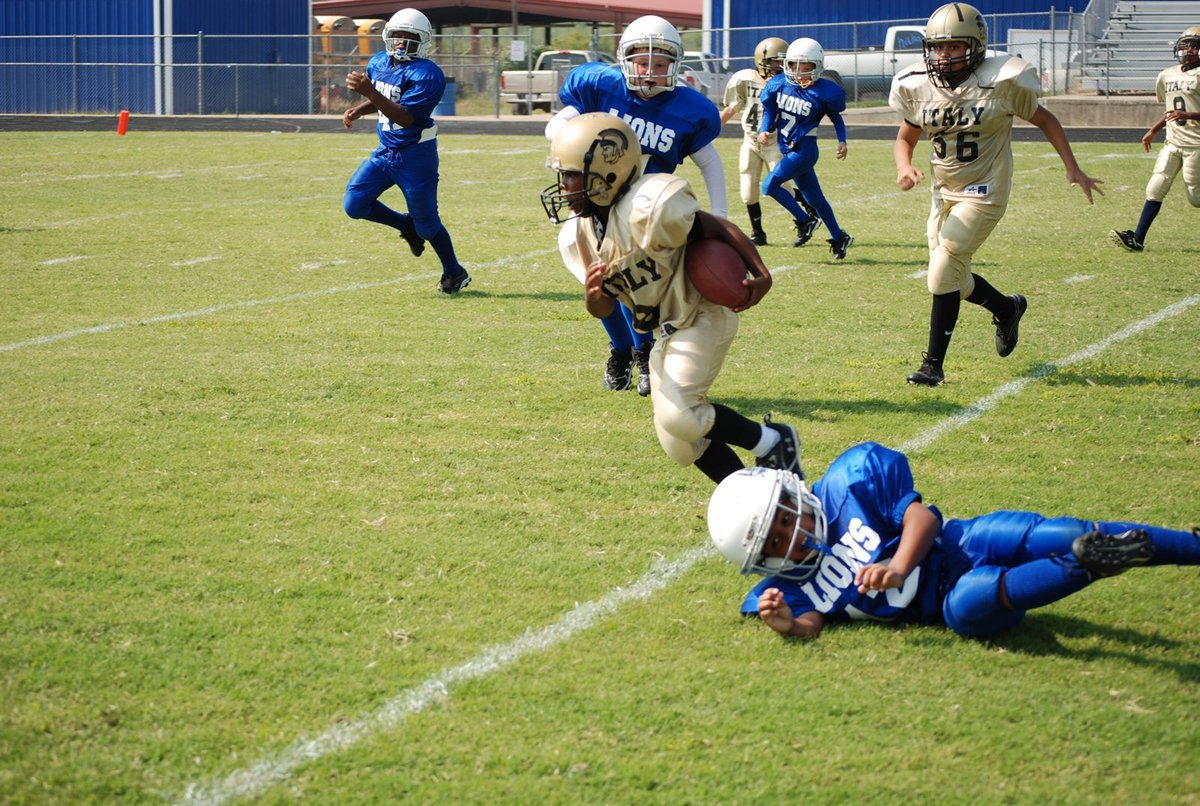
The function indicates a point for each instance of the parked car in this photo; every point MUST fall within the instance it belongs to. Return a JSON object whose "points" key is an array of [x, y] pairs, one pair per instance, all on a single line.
{"points": [[703, 71], [537, 90]]}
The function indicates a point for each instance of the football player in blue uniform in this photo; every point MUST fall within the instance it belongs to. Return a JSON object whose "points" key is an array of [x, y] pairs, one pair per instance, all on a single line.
{"points": [[672, 121], [403, 87], [861, 544], [793, 105]]}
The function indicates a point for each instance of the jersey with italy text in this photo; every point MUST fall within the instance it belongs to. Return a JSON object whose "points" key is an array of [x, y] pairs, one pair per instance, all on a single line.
{"points": [[670, 126], [643, 245], [794, 111], [864, 493], [416, 85], [970, 126], [742, 93], [1180, 90]]}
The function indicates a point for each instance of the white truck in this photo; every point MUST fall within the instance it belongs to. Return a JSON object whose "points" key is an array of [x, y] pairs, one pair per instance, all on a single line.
{"points": [[537, 89], [871, 69]]}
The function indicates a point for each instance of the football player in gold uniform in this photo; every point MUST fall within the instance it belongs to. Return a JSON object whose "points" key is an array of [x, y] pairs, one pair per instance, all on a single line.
{"points": [[1179, 88], [742, 98], [964, 101], [629, 241]]}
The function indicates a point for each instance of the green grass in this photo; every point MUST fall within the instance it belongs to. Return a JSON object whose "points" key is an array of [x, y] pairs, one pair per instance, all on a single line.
{"points": [[282, 483]]}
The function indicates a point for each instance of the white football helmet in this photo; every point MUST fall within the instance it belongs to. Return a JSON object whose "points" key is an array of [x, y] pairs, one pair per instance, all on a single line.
{"points": [[605, 150], [653, 37], [1186, 47], [801, 51], [955, 22], [743, 509], [411, 22]]}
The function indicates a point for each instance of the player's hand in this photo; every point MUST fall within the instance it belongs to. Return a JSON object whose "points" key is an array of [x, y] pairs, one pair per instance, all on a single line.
{"points": [[763, 138], [358, 81], [350, 115], [598, 303], [1085, 183], [759, 286], [908, 178], [877, 577], [842, 150], [774, 611], [1148, 140]]}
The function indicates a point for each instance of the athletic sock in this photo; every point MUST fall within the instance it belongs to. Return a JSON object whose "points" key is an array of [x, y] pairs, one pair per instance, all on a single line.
{"points": [[1149, 213], [997, 304], [1171, 547], [734, 429], [943, 316]]}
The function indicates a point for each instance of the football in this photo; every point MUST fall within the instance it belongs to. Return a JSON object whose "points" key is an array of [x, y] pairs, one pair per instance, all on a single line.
{"points": [[716, 270]]}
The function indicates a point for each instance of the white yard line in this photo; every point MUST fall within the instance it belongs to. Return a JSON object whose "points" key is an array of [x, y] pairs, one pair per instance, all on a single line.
{"points": [[251, 781]]}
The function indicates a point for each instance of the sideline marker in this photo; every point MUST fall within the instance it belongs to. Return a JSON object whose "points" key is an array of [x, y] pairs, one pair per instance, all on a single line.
{"points": [[123, 122]]}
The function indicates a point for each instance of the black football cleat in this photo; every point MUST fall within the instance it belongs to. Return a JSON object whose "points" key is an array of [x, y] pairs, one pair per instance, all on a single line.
{"points": [[618, 372], [642, 356], [805, 230], [1006, 329], [929, 374], [1105, 555], [758, 238], [1126, 240], [455, 283], [786, 453], [838, 246], [416, 243]]}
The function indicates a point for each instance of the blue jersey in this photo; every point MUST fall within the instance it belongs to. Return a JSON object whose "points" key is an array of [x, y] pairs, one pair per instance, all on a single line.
{"points": [[795, 111], [671, 125], [865, 493], [417, 85]]}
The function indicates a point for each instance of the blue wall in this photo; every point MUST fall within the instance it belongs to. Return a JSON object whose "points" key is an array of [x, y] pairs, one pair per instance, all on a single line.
{"points": [[47, 45]]}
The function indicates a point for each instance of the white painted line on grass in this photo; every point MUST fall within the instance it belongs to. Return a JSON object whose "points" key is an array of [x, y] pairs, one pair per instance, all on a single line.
{"points": [[1078, 278], [986, 404], [251, 781], [54, 261], [196, 261], [518, 260]]}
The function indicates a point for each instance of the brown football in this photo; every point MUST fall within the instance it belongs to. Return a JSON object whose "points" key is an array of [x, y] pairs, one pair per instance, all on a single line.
{"points": [[716, 270]]}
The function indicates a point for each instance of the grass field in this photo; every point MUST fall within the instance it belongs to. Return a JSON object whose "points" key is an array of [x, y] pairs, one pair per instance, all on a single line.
{"points": [[278, 521]]}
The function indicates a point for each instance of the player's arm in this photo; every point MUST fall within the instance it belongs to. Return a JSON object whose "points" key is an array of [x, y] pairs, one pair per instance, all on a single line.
{"points": [[358, 81], [713, 172], [708, 225], [355, 112], [597, 301], [559, 120], [1053, 131], [908, 176], [839, 129], [776, 614], [918, 529], [1148, 137]]}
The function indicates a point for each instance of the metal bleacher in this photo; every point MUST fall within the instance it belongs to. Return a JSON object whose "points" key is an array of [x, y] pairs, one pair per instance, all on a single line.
{"points": [[1136, 45]]}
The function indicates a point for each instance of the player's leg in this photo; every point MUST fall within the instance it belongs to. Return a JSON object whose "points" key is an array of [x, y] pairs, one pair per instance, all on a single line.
{"points": [[683, 367], [1191, 175], [641, 345], [750, 166], [1166, 168], [416, 175], [810, 188], [618, 370], [791, 165], [361, 199]]}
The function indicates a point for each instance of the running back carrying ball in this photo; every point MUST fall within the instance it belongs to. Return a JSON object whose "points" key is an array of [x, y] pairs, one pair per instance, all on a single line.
{"points": [[716, 270]]}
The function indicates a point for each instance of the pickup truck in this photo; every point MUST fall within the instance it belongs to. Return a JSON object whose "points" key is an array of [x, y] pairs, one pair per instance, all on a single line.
{"points": [[702, 71], [871, 70], [537, 89]]}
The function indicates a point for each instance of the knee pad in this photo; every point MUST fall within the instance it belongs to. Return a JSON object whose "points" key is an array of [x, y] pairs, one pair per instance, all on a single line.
{"points": [[949, 273], [357, 205], [972, 606]]}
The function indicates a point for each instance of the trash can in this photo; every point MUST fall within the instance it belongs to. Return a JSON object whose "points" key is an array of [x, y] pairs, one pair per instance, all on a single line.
{"points": [[445, 106]]}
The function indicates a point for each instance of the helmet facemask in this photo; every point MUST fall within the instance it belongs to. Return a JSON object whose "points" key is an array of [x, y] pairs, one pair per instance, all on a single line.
{"points": [[743, 515], [603, 150], [408, 35]]}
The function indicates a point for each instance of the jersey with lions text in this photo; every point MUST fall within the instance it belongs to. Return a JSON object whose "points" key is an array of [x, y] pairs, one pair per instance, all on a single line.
{"points": [[670, 126], [1180, 90], [970, 126], [417, 85], [643, 245]]}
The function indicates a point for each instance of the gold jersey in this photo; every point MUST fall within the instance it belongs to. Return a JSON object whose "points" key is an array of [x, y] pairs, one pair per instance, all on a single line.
{"points": [[643, 245], [743, 93], [970, 127], [1180, 90]]}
